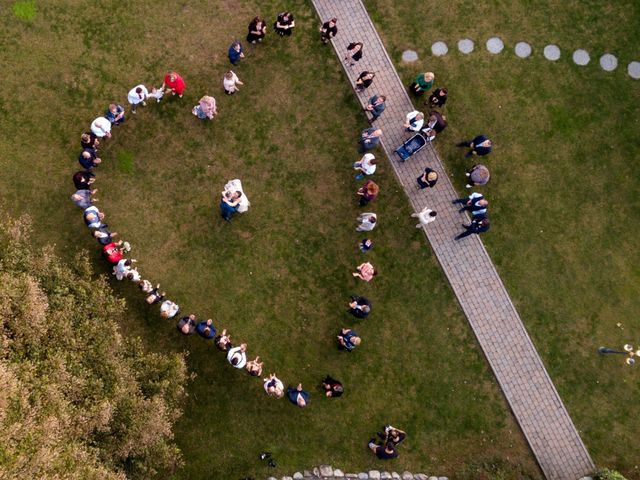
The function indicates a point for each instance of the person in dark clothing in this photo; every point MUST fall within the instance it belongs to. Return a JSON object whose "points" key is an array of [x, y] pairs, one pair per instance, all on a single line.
{"points": [[365, 79], [428, 179], [257, 30], [376, 106], [187, 325], [284, 24], [115, 114], [354, 53], [298, 396], [438, 98], [359, 307], [235, 53], [475, 203], [369, 139], [103, 235], [332, 388], [89, 140], [348, 339], [481, 145], [82, 180], [383, 452], [368, 192], [392, 435], [206, 329], [89, 158], [437, 122], [478, 225], [328, 30]]}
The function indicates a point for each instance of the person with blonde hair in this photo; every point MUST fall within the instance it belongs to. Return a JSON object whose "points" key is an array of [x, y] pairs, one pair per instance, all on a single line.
{"points": [[414, 121], [230, 82], [422, 83], [274, 386], [254, 367], [428, 179], [365, 271], [206, 108]]}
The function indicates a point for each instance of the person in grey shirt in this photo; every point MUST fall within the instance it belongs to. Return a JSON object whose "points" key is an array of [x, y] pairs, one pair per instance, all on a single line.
{"points": [[82, 198]]}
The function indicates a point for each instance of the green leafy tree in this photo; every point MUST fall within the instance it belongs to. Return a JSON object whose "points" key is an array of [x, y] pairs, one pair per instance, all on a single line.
{"points": [[77, 399]]}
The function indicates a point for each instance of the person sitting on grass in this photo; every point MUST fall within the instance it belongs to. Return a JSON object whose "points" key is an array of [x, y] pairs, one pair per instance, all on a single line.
{"points": [[169, 309], [298, 396], [348, 339], [359, 307], [187, 324], [206, 329], [332, 388], [383, 452], [237, 356], [392, 435], [365, 271], [254, 367], [223, 341], [274, 386]]}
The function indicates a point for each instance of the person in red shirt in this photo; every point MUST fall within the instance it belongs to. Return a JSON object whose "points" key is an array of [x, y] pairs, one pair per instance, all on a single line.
{"points": [[112, 252], [173, 83]]}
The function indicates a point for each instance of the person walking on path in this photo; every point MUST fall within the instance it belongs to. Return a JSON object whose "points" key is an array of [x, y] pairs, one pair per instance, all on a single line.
{"points": [[376, 106], [366, 166], [474, 203], [354, 53], [438, 98], [422, 83], [173, 83], [284, 24], [480, 146], [348, 339], [328, 30], [366, 222], [365, 271], [365, 79], [368, 192], [137, 95], [298, 396], [428, 179], [414, 121], [478, 225], [425, 217], [369, 139], [332, 388], [257, 30], [477, 175], [236, 52]]}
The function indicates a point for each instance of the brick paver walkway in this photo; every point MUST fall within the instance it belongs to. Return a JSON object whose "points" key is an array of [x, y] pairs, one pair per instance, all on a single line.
{"points": [[513, 357]]}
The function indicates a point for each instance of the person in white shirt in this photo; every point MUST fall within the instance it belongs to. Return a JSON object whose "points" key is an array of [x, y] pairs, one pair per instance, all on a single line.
{"points": [[137, 95], [168, 309], [237, 356], [122, 268], [366, 165], [231, 82], [274, 386], [101, 127], [425, 217], [414, 121], [367, 222]]}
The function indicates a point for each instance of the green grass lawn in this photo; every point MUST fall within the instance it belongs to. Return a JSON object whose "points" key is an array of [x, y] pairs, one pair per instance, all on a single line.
{"points": [[279, 276], [564, 189]]}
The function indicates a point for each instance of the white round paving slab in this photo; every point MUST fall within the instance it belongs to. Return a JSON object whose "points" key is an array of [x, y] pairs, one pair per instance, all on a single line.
{"points": [[608, 62], [439, 49], [551, 52], [581, 57], [523, 49], [465, 46], [495, 45], [409, 56], [633, 69]]}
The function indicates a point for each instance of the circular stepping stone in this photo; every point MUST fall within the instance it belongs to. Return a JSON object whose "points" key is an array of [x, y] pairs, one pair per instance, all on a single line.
{"points": [[465, 46], [523, 49], [634, 70], [409, 56], [608, 62], [439, 49], [581, 57], [551, 52], [495, 45]]}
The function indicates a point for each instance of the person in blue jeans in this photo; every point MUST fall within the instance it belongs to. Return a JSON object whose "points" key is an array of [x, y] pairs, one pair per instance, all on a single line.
{"points": [[229, 204], [235, 52], [298, 396]]}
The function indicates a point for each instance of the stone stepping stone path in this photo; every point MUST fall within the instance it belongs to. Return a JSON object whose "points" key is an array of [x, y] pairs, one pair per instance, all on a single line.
{"points": [[581, 57], [523, 49], [465, 46], [409, 56], [551, 52]]}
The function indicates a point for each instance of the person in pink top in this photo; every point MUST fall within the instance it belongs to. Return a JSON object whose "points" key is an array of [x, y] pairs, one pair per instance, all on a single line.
{"points": [[173, 83], [365, 271]]}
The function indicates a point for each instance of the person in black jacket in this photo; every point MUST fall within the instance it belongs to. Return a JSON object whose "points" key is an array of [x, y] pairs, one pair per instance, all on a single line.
{"points": [[284, 24], [478, 225], [328, 30], [354, 53], [481, 146], [437, 122], [359, 307], [438, 98]]}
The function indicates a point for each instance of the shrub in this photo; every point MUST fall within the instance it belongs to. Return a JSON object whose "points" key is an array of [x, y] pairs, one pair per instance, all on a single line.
{"points": [[607, 474]]}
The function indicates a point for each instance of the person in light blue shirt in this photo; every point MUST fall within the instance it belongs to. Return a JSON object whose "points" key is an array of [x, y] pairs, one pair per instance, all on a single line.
{"points": [[475, 203]]}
